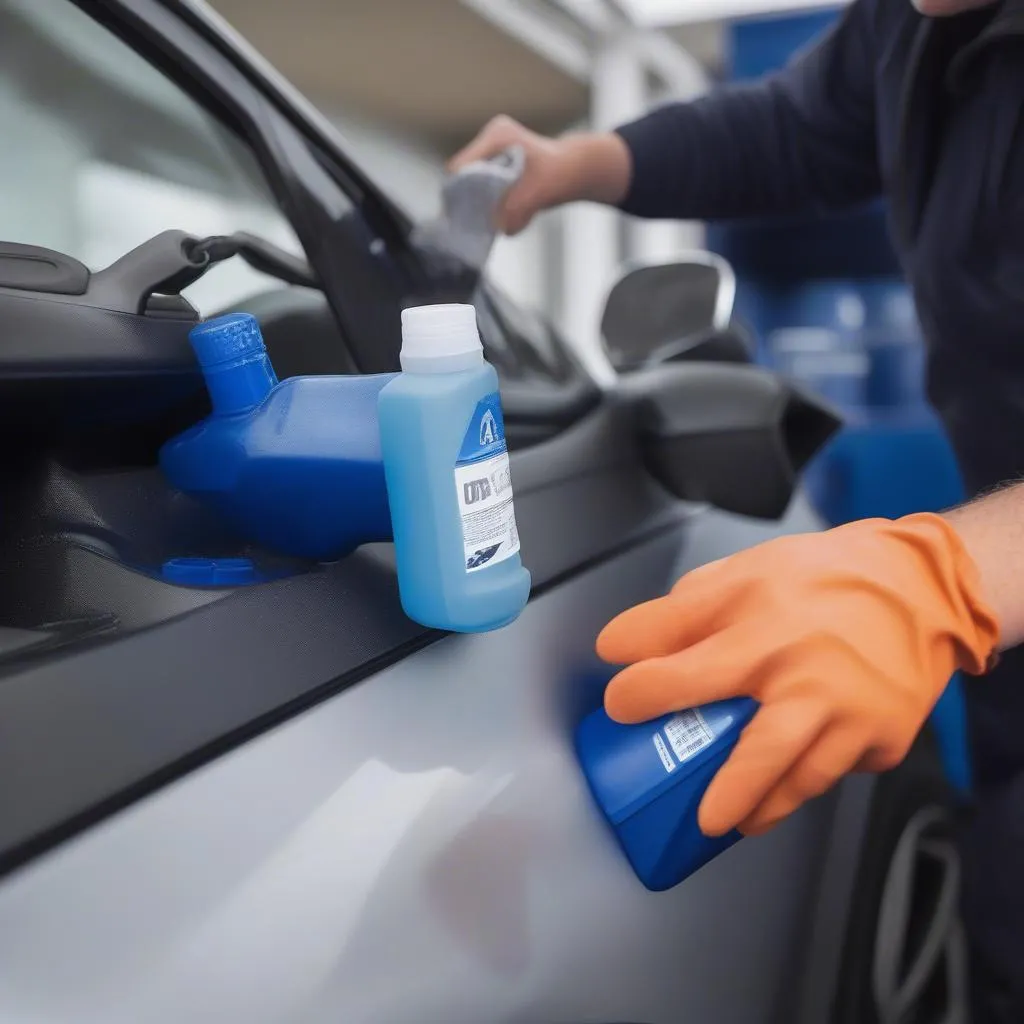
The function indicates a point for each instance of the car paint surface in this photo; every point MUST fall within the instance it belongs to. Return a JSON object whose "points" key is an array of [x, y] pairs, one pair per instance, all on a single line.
{"points": [[420, 848]]}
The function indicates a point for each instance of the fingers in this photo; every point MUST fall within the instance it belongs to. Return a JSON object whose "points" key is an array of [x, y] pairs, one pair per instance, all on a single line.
{"points": [[497, 135], [777, 738], [517, 211], [707, 603], [835, 753], [725, 664], [654, 629], [883, 757]]}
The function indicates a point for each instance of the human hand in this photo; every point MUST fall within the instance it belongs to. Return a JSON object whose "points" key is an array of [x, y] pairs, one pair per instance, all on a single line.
{"points": [[847, 639], [583, 166]]}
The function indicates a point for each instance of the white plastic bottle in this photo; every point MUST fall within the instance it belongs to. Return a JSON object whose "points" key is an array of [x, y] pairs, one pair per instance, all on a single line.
{"points": [[448, 477]]}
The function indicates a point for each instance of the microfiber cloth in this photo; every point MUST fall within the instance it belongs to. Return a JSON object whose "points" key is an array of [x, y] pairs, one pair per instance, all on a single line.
{"points": [[466, 227]]}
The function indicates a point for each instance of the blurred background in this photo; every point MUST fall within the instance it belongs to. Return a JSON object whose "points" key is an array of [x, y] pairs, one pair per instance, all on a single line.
{"points": [[408, 82]]}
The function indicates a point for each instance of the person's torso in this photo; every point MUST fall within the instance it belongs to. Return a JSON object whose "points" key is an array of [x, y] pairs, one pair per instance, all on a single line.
{"points": [[950, 123]]}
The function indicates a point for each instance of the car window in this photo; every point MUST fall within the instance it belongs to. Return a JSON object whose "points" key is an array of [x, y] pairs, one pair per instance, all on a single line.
{"points": [[101, 151]]}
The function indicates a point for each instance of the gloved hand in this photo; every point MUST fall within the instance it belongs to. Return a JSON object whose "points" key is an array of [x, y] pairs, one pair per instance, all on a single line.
{"points": [[847, 639]]}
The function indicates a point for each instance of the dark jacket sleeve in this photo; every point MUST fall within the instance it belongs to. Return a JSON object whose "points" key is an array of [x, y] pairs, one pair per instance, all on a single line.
{"points": [[801, 139]]}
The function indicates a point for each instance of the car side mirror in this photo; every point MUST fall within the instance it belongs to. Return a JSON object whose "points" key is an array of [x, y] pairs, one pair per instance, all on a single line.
{"points": [[732, 345], [681, 310], [736, 437]]}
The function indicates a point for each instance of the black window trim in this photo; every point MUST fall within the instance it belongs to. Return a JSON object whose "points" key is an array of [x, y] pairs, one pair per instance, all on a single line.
{"points": [[186, 48]]}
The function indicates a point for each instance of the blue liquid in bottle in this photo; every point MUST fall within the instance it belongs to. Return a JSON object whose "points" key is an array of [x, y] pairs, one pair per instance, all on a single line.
{"points": [[447, 472], [649, 779], [294, 466]]}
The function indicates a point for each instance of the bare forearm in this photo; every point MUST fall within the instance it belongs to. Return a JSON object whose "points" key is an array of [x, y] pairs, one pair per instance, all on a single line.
{"points": [[599, 167], [992, 530]]}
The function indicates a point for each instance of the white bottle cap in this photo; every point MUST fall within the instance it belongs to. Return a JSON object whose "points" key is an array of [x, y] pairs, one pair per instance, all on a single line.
{"points": [[440, 339]]}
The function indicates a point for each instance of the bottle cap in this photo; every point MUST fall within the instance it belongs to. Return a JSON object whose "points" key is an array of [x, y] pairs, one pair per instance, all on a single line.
{"points": [[234, 362], [234, 336], [440, 339], [210, 572]]}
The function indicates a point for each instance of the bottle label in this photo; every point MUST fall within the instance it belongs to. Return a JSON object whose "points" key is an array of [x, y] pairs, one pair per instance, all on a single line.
{"points": [[484, 487], [687, 734], [666, 757]]}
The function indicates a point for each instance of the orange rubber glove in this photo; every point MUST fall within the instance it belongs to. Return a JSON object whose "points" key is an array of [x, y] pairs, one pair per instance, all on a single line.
{"points": [[847, 639]]}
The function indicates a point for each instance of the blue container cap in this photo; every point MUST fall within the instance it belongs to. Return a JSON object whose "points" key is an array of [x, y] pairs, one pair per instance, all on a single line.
{"points": [[209, 572], [224, 339]]}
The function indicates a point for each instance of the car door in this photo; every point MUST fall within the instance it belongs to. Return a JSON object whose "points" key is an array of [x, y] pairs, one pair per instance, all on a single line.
{"points": [[284, 801]]}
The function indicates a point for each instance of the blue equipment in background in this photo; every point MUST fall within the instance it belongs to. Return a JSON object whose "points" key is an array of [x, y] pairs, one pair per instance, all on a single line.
{"points": [[295, 466], [826, 302], [759, 45]]}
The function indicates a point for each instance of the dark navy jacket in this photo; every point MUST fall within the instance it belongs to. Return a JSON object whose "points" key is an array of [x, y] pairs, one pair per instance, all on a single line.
{"points": [[928, 112]]}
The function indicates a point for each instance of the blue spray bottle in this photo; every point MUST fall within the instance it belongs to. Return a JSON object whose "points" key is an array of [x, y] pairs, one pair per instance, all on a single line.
{"points": [[447, 471], [649, 779]]}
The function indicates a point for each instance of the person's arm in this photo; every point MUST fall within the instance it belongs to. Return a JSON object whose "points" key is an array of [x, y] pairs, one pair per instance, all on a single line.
{"points": [[992, 531], [846, 638], [800, 139]]}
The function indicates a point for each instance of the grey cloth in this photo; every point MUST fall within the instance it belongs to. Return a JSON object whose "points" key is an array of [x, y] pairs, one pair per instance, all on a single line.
{"points": [[466, 228]]}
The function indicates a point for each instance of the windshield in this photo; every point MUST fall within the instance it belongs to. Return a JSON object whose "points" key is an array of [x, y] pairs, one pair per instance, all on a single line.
{"points": [[102, 151]]}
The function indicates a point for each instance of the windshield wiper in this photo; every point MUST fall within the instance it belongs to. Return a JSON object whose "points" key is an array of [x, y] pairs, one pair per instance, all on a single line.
{"points": [[260, 254]]}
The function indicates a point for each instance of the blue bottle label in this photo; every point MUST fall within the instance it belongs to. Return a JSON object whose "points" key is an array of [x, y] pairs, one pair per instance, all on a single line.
{"points": [[687, 734], [484, 487]]}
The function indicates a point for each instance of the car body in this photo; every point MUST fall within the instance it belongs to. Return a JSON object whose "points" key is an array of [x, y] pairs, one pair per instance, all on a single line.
{"points": [[285, 802]]}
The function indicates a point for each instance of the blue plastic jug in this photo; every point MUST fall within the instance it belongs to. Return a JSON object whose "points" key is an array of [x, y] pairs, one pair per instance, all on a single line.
{"points": [[448, 477], [648, 781], [296, 465]]}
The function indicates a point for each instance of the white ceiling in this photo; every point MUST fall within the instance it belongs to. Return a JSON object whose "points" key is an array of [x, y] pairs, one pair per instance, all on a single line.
{"points": [[432, 68], [682, 12]]}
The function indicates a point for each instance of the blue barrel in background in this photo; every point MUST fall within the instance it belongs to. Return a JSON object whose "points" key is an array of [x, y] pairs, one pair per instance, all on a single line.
{"points": [[831, 363], [856, 343], [895, 346], [818, 339]]}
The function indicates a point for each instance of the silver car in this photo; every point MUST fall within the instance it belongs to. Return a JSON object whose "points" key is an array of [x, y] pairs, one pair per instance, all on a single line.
{"points": [[280, 800]]}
